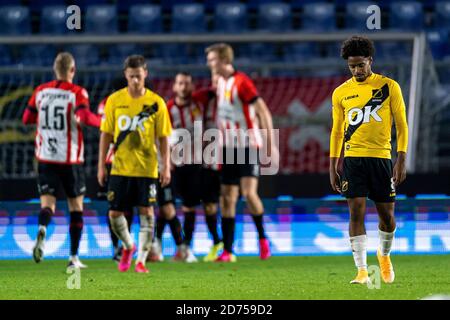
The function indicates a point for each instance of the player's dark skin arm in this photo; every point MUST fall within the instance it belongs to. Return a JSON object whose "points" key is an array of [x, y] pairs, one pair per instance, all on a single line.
{"points": [[400, 168], [335, 180], [165, 157], [105, 140]]}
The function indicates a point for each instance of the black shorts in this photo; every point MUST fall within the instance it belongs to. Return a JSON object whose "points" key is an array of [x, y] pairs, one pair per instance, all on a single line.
{"points": [[71, 176], [247, 166], [127, 192], [210, 186], [165, 194], [368, 177], [187, 182]]}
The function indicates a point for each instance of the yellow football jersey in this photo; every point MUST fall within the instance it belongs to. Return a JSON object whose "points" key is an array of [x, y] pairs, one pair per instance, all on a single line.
{"points": [[363, 113], [135, 125]]}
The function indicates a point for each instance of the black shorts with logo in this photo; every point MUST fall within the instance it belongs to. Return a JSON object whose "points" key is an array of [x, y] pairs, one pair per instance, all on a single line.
{"points": [[187, 182], [246, 165], [368, 177], [127, 192], [70, 176], [165, 194], [210, 186]]}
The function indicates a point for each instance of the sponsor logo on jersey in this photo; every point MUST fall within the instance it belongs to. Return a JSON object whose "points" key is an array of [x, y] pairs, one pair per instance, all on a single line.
{"points": [[357, 115]]}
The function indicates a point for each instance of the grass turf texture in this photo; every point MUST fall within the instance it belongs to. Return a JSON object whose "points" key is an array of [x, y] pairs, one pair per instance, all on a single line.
{"points": [[317, 277]]}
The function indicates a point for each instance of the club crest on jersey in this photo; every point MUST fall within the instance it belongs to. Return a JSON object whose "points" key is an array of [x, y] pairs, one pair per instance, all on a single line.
{"points": [[344, 186], [357, 115], [110, 195]]}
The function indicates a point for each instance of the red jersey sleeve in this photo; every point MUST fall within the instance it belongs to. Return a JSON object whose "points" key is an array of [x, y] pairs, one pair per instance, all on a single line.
{"points": [[30, 114], [246, 89], [82, 98], [203, 96]]}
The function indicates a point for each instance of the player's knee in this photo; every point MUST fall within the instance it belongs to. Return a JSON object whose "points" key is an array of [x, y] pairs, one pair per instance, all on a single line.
{"points": [[229, 200], [210, 208], [167, 211]]}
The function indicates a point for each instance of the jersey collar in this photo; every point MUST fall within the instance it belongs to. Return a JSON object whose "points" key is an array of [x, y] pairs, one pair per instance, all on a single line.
{"points": [[368, 79]]}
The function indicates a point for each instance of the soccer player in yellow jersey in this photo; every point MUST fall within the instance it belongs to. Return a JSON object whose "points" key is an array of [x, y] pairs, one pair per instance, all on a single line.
{"points": [[363, 110], [134, 118]]}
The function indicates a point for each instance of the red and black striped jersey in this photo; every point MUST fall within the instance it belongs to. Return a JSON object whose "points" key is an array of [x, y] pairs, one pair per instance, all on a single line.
{"points": [[58, 108], [235, 97]]}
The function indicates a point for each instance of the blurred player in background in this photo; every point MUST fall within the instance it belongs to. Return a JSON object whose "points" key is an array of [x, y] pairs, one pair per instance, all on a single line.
{"points": [[118, 84], [363, 110], [190, 180], [135, 117], [239, 106], [58, 108], [167, 215]]}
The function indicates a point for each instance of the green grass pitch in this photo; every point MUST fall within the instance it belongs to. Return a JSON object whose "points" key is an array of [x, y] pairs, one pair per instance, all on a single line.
{"points": [[314, 277]]}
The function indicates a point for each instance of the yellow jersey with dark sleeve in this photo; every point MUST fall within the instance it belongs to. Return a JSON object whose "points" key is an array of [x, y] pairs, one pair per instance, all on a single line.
{"points": [[135, 124], [363, 113]]}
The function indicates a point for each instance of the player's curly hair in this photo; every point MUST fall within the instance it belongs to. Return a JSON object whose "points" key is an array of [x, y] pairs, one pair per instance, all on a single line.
{"points": [[357, 46]]}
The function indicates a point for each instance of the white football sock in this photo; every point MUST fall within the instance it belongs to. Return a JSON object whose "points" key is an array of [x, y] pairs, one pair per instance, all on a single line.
{"points": [[147, 227], [386, 239], [120, 227], [359, 248]]}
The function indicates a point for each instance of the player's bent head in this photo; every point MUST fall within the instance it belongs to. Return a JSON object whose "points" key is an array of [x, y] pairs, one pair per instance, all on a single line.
{"points": [[219, 53], [64, 66], [359, 52], [135, 70]]}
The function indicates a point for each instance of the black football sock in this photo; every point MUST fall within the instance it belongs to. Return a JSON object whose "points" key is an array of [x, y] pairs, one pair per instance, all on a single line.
{"points": [[258, 220], [75, 230], [160, 225], [175, 228], [45, 216], [211, 221], [189, 225], [228, 225]]}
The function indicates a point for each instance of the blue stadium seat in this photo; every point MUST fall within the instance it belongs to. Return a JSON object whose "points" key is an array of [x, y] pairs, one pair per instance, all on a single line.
{"points": [[84, 54], [442, 14], [117, 53], [53, 20], [298, 4], [301, 51], [275, 17], [168, 5], [230, 18], [83, 4], [262, 52], [406, 16], [438, 41], [145, 19], [125, 5], [319, 16], [356, 15], [15, 20], [36, 5], [38, 55], [101, 19], [5, 56], [173, 53], [188, 18], [388, 50], [210, 5], [254, 4]]}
